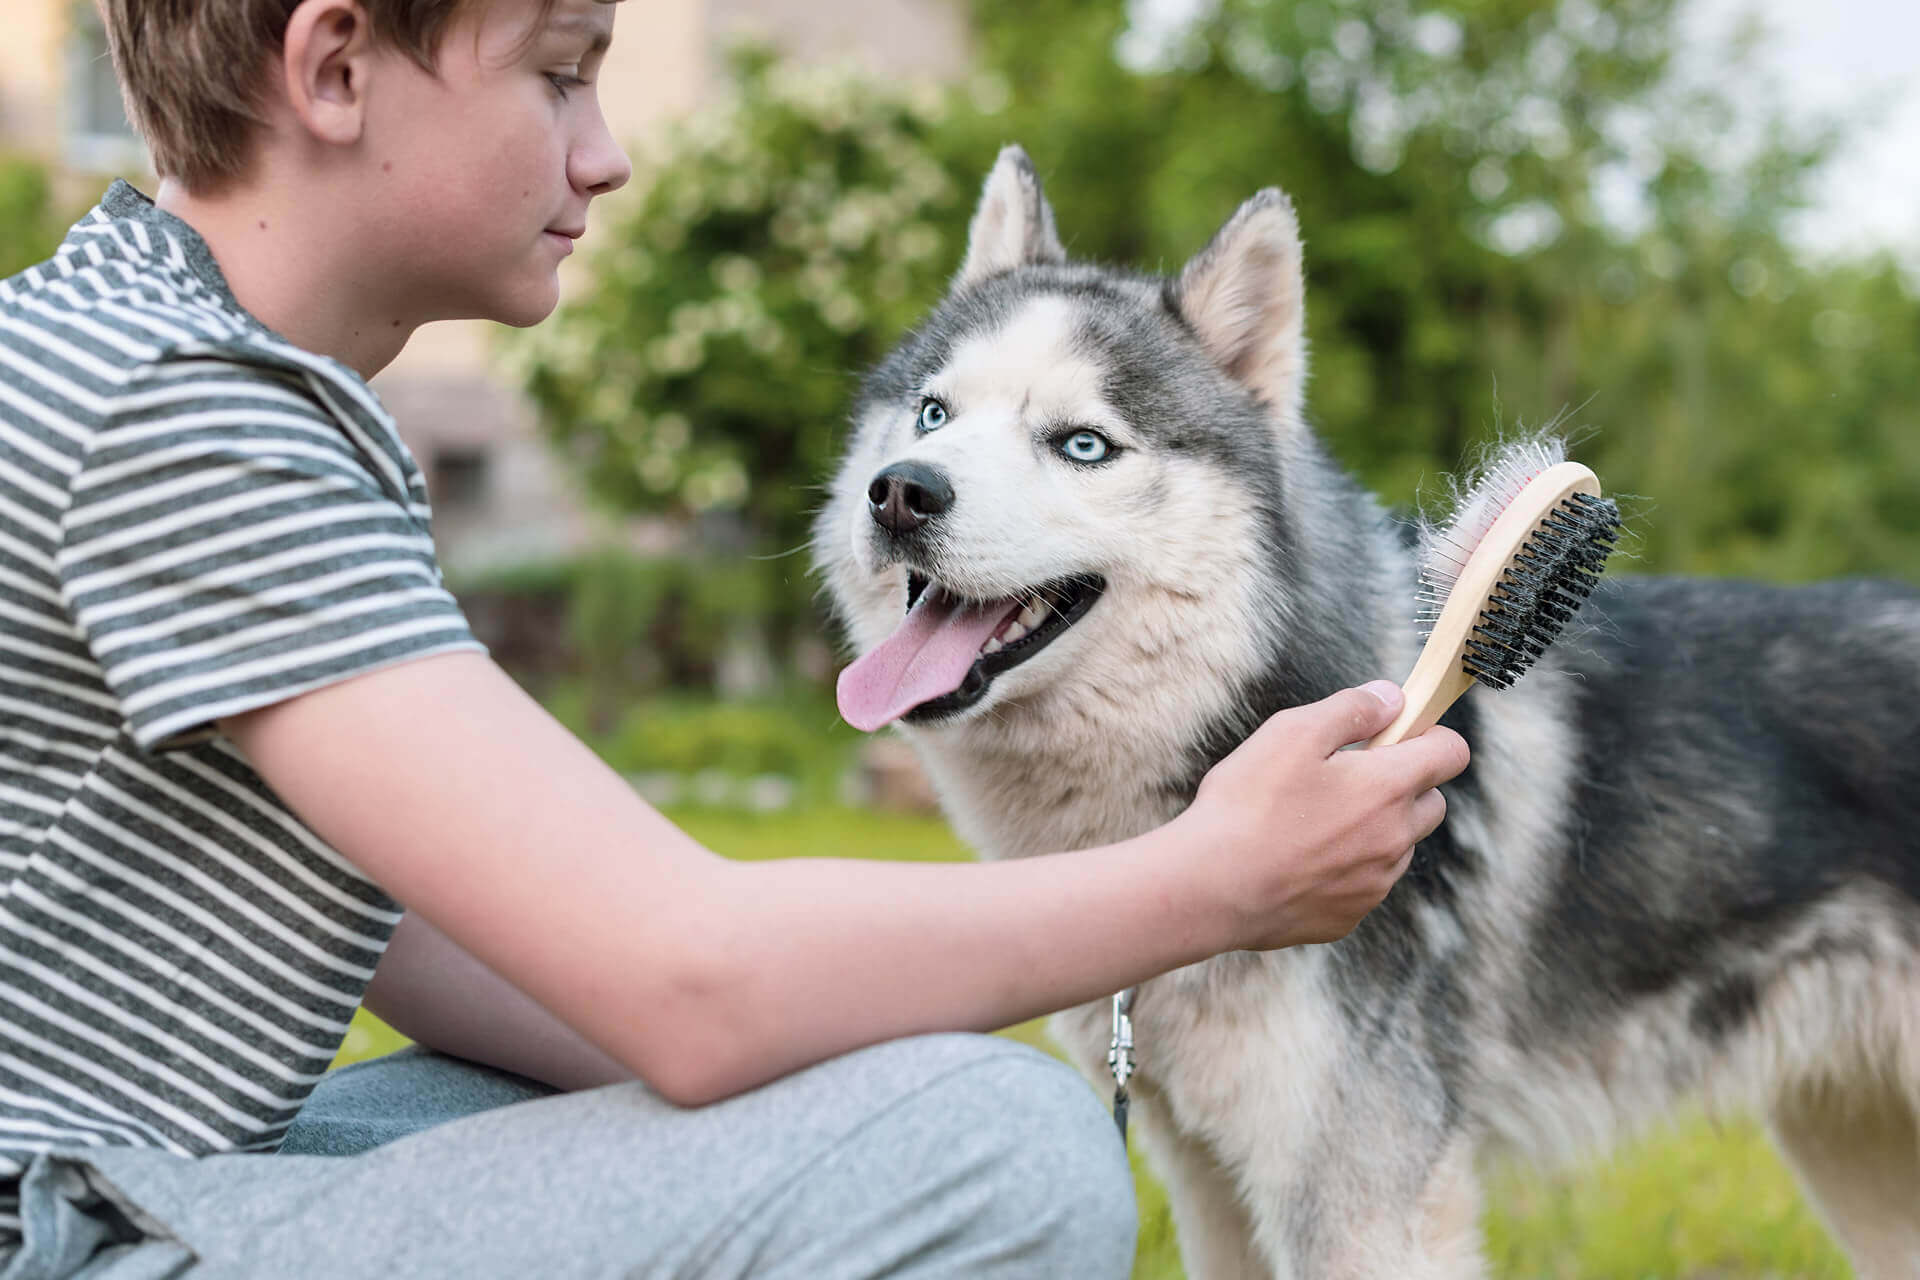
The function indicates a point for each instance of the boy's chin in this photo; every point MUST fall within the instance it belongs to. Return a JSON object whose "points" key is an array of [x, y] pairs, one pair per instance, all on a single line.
{"points": [[527, 308]]}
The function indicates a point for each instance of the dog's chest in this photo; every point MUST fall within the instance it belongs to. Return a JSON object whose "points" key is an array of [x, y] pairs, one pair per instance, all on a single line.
{"points": [[1047, 779], [1242, 1043], [1016, 808]]}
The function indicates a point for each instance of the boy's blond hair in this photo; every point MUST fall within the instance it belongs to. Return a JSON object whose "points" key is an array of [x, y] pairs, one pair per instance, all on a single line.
{"points": [[191, 71]]}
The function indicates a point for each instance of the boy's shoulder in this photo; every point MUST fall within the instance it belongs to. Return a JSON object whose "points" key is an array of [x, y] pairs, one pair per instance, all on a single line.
{"points": [[131, 308], [124, 290]]}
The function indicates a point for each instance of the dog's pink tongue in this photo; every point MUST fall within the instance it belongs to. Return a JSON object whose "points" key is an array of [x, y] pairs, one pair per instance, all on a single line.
{"points": [[927, 656]]}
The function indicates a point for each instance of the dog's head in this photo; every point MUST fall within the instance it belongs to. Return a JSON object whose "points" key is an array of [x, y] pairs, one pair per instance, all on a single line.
{"points": [[1068, 474]]}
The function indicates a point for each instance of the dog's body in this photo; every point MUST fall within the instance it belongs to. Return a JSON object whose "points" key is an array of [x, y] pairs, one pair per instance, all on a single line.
{"points": [[1684, 863]]}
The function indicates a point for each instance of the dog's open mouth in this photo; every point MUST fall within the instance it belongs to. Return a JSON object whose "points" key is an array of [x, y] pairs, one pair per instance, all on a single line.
{"points": [[947, 650]]}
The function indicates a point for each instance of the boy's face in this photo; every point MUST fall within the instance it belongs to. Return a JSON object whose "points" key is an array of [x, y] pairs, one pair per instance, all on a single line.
{"points": [[485, 171]]}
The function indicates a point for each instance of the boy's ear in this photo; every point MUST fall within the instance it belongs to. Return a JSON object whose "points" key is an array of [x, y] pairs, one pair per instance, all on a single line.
{"points": [[1013, 227], [325, 58], [1245, 296]]}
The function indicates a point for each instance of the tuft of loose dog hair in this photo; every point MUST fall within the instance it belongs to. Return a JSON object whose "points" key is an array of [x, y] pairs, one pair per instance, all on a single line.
{"points": [[1544, 583]]}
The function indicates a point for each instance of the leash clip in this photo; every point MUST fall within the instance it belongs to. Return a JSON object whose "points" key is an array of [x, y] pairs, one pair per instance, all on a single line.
{"points": [[1120, 1056]]}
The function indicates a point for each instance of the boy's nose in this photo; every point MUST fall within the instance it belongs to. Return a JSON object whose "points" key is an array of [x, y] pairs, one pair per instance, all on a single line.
{"points": [[599, 164]]}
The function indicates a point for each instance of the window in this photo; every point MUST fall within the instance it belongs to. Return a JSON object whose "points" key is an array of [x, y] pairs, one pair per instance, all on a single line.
{"points": [[459, 480], [97, 136]]}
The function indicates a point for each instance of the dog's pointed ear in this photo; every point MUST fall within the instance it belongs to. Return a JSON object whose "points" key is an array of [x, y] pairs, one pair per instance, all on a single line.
{"points": [[1013, 227], [1245, 296]]}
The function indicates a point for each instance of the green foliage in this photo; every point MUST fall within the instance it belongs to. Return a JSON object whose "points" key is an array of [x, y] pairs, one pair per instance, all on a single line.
{"points": [[797, 735], [29, 229], [741, 738], [1512, 212], [615, 604], [783, 241], [629, 624]]}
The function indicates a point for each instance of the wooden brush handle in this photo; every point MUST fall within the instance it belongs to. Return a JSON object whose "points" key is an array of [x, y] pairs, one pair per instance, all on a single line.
{"points": [[1439, 676], [1430, 690]]}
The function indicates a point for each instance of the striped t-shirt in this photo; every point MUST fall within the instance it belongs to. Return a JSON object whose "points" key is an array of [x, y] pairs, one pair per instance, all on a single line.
{"points": [[196, 518]]}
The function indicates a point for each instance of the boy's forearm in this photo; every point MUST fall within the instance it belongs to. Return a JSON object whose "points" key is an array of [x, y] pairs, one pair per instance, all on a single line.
{"points": [[820, 956]]}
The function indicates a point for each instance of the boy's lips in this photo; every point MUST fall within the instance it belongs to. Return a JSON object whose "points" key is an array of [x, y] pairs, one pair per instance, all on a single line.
{"points": [[564, 238]]}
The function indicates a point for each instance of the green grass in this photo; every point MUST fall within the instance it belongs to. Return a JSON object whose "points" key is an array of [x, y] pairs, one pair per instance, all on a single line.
{"points": [[1697, 1201]]}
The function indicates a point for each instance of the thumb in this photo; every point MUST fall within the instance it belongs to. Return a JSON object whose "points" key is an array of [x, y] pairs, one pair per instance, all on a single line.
{"points": [[1354, 715]]}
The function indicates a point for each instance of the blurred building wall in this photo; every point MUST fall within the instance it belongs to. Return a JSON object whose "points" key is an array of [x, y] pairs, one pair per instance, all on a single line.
{"points": [[498, 496]]}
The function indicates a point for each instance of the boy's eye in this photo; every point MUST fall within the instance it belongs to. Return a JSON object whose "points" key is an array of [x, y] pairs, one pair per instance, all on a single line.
{"points": [[563, 81], [1086, 446], [933, 414]]}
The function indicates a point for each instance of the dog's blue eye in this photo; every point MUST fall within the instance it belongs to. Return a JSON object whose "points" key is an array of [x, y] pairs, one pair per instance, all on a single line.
{"points": [[933, 414], [1086, 446]]}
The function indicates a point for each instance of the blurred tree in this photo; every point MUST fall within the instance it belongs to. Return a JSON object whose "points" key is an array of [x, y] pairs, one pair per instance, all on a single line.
{"points": [[29, 228], [1514, 210], [782, 242]]}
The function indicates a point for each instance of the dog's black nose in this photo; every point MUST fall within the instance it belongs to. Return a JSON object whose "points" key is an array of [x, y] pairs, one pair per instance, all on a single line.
{"points": [[906, 495]]}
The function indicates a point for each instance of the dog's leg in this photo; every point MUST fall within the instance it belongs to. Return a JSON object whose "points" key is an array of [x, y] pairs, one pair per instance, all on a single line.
{"points": [[1367, 1228], [1364, 1180], [1858, 1156], [1215, 1234], [1449, 1223]]}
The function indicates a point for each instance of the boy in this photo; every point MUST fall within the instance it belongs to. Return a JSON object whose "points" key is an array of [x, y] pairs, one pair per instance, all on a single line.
{"points": [[241, 721]]}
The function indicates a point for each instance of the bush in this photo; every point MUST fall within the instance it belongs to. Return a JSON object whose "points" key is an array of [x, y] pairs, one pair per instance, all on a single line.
{"points": [[738, 738], [29, 229], [784, 242], [799, 738], [621, 624]]}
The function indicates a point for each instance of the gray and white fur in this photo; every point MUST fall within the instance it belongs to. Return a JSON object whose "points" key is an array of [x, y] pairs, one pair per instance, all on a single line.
{"points": [[1683, 865]]}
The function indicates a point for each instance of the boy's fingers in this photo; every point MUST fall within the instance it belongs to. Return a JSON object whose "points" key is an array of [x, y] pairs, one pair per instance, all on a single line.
{"points": [[1429, 811], [1423, 763], [1354, 715], [1436, 756]]}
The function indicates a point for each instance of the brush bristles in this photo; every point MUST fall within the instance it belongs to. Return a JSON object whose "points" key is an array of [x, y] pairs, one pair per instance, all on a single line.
{"points": [[1547, 580], [1444, 552]]}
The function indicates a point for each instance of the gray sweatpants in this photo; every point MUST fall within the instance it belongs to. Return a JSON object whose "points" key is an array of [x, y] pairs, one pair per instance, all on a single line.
{"points": [[937, 1156]]}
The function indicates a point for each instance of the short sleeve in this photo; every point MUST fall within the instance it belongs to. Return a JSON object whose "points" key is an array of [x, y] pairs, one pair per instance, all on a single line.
{"points": [[227, 546]]}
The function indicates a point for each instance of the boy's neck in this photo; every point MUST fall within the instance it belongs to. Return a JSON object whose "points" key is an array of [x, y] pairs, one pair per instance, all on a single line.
{"points": [[291, 262]]}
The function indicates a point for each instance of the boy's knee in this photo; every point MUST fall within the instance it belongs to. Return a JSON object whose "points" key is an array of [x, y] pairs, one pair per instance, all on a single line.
{"points": [[1034, 1161]]}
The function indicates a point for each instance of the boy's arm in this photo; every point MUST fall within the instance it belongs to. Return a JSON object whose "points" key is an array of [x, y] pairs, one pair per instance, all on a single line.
{"points": [[450, 787], [431, 990]]}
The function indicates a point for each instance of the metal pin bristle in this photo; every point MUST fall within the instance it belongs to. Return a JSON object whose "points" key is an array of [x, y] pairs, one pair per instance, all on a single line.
{"points": [[1546, 582]]}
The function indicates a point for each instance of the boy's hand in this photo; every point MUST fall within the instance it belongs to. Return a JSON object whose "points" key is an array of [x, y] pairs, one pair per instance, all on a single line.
{"points": [[1307, 838]]}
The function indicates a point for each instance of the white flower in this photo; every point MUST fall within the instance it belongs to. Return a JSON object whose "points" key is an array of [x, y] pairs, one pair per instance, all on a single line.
{"points": [[736, 273], [842, 312], [671, 432]]}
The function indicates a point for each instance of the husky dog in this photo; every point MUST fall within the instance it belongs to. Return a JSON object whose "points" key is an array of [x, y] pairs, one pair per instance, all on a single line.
{"points": [[1685, 862]]}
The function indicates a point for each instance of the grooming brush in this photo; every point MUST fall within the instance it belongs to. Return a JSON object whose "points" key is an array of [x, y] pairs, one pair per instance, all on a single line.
{"points": [[1504, 578]]}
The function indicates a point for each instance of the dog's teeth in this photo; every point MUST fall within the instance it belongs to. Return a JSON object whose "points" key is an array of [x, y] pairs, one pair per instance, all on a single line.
{"points": [[1014, 631], [992, 646], [1033, 615]]}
